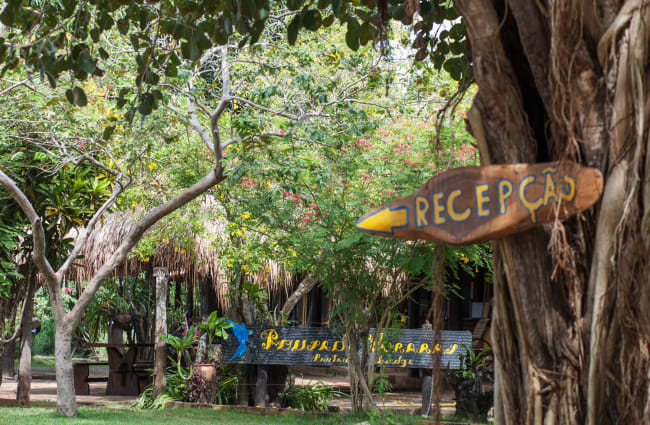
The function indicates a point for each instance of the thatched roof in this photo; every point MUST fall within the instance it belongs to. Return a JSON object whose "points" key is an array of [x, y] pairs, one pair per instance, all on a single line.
{"points": [[195, 267]]}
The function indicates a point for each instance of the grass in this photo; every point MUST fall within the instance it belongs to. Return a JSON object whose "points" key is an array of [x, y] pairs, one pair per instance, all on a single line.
{"points": [[101, 416], [38, 361]]}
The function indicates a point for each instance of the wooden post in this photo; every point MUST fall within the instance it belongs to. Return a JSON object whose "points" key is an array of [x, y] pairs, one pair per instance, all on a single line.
{"points": [[160, 357], [427, 391], [427, 383], [261, 386]]}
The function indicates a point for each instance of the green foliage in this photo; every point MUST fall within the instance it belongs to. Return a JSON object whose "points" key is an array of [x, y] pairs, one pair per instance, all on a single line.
{"points": [[313, 398], [472, 361], [117, 296], [226, 392], [182, 347], [9, 240], [215, 327], [43, 342], [57, 39], [177, 389]]}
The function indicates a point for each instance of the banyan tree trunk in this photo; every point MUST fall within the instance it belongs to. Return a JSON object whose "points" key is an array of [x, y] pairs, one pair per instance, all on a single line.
{"points": [[571, 327]]}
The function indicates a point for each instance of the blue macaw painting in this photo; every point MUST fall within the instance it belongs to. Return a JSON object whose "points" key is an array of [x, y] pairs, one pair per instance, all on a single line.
{"points": [[241, 333]]}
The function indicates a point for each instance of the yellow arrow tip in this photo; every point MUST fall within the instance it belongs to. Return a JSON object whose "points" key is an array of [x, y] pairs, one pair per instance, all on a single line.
{"points": [[384, 220]]}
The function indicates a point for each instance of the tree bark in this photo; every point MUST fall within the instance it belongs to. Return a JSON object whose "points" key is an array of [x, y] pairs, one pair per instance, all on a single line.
{"points": [[568, 80], [160, 357], [25, 362], [66, 401], [305, 286], [8, 359]]}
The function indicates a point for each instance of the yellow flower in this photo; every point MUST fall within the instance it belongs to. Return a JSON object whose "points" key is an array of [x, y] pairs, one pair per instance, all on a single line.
{"points": [[152, 166], [182, 251], [244, 267], [135, 204], [238, 233], [145, 259], [246, 215], [293, 254], [221, 196]]}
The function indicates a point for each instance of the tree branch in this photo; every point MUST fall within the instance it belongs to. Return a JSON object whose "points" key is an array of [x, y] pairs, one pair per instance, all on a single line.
{"points": [[305, 286], [213, 177]]}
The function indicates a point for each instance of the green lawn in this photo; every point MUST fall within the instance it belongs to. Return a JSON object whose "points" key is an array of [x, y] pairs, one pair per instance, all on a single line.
{"points": [[100, 416]]}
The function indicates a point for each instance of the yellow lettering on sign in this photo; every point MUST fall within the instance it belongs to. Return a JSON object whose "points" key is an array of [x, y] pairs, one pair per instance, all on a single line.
{"points": [[336, 345], [569, 184], [399, 347], [504, 188], [456, 216], [323, 346], [549, 185], [297, 344], [438, 209], [316, 357], [270, 335], [424, 348], [531, 206], [410, 348], [313, 345], [285, 344], [482, 199], [421, 210], [451, 349]]}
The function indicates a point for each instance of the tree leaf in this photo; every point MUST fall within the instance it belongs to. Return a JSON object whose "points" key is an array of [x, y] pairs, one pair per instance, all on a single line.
{"points": [[352, 35], [421, 54], [292, 30], [86, 62], [108, 132], [312, 19], [79, 96], [146, 105]]}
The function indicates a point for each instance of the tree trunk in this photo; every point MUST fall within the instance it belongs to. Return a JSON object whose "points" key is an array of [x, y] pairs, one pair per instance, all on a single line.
{"points": [[571, 331], [8, 359], [25, 362], [189, 303], [160, 358], [66, 400]]}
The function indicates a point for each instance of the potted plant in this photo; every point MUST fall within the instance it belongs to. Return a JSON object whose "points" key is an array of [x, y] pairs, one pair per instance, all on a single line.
{"points": [[204, 374], [215, 327]]}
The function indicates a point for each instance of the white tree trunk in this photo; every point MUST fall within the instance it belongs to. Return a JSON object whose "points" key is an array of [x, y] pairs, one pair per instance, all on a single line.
{"points": [[161, 274], [25, 362], [66, 400]]}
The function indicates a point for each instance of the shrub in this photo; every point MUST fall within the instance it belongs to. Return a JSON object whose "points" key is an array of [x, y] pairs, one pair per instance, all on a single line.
{"points": [[43, 342], [312, 398]]}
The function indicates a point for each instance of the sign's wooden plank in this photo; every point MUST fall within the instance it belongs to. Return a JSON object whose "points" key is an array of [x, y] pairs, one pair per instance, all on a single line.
{"points": [[410, 348], [474, 204]]}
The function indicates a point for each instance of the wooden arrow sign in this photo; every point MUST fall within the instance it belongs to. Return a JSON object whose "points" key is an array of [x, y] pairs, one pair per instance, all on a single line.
{"points": [[474, 204]]}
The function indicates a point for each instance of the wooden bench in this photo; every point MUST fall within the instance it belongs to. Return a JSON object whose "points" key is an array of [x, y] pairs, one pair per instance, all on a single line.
{"points": [[82, 378]]}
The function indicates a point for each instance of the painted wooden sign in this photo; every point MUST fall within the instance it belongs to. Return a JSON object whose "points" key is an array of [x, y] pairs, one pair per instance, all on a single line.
{"points": [[474, 204], [409, 348]]}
